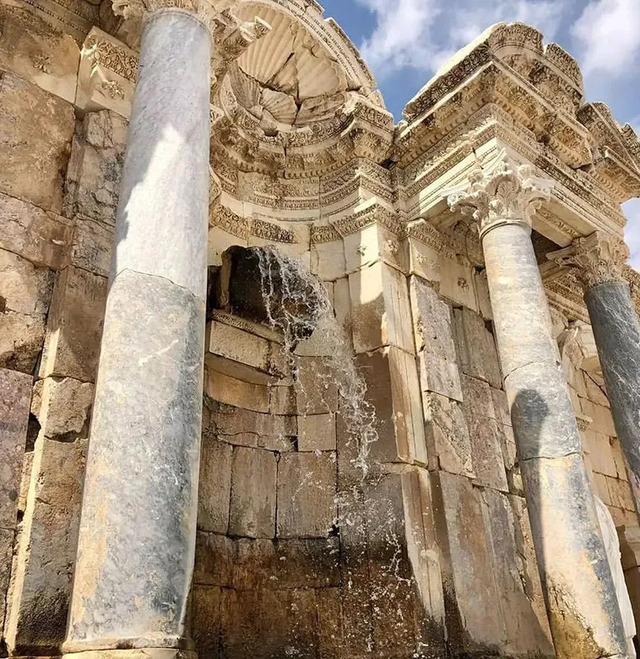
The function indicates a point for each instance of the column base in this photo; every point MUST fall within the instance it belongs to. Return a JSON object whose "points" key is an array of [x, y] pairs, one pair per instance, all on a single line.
{"points": [[136, 653]]}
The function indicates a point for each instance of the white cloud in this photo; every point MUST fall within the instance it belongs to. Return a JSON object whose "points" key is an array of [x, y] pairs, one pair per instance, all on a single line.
{"points": [[632, 231], [608, 34], [422, 34]]}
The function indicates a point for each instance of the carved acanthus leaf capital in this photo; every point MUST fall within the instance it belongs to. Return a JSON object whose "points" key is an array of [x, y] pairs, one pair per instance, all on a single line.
{"points": [[504, 193], [595, 259], [206, 10]]}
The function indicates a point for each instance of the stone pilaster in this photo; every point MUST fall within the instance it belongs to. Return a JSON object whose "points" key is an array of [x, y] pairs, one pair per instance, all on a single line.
{"points": [[579, 591], [138, 528], [598, 262]]}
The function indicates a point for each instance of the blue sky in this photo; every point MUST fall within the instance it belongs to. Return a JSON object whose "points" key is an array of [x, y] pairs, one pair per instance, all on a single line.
{"points": [[405, 42]]}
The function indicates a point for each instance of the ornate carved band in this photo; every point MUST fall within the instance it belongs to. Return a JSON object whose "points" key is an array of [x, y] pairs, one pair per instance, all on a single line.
{"points": [[504, 193], [596, 259], [206, 10]]}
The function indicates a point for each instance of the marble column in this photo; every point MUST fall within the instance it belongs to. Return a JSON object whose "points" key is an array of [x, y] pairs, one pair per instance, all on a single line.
{"points": [[138, 526], [579, 591], [598, 261]]}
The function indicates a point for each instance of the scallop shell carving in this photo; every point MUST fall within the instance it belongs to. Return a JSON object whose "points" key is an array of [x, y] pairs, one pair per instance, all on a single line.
{"points": [[281, 106]]}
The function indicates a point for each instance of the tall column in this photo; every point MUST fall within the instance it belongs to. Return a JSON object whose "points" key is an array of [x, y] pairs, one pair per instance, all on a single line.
{"points": [[138, 525], [597, 261], [579, 592]]}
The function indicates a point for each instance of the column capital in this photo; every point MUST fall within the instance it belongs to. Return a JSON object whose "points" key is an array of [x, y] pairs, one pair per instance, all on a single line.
{"points": [[503, 193], [206, 10], [595, 259]]}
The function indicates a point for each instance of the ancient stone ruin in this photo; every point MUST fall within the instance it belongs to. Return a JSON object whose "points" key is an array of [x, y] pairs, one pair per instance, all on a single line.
{"points": [[282, 378]]}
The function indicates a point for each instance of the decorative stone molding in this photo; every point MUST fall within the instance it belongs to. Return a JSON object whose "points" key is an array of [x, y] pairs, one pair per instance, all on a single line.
{"points": [[207, 10], [505, 193], [597, 259]]}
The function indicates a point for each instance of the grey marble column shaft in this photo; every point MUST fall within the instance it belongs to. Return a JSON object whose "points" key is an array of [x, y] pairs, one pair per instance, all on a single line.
{"points": [[138, 526], [579, 591], [617, 333]]}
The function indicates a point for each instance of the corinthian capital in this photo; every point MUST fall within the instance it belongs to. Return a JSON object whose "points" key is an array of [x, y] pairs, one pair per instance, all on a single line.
{"points": [[596, 259], [504, 193], [207, 10]]}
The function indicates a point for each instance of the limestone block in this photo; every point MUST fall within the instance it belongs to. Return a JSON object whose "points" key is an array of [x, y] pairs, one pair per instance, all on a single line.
{"points": [[601, 417], [468, 575], [328, 260], [394, 391], [598, 448], [381, 312], [331, 631], [618, 458], [214, 487], [66, 408], [35, 136], [237, 393], [6, 551], [253, 493], [92, 246], [21, 339], [282, 400], [95, 167], [286, 563], [306, 495], [41, 586], [15, 399], [40, 236], [439, 376], [477, 354], [267, 623], [432, 321], [601, 488], [317, 432], [620, 494], [594, 390], [227, 420], [72, 344], [206, 619], [488, 461], [316, 386], [457, 283], [526, 633], [33, 50], [482, 294], [215, 559], [424, 261], [218, 243], [447, 433], [24, 288], [501, 406], [372, 244]]}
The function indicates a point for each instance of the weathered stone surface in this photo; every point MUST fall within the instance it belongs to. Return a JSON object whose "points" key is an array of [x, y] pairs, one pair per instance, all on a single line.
{"points": [[215, 559], [92, 246], [306, 495], [235, 392], [253, 493], [447, 434], [215, 486], [457, 282], [6, 551], [38, 235], [75, 323], [439, 376], [15, 398], [35, 136], [525, 631], [488, 462], [476, 348], [32, 49], [372, 244], [392, 388], [206, 615], [41, 585], [66, 408], [432, 320], [381, 312], [95, 167], [315, 387], [21, 340], [474, 623], [317, 432], [24, 288]]}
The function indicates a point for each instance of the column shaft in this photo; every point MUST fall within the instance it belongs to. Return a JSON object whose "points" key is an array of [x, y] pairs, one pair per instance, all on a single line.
{"points": [[579, 591], [617, 333], [138, 525]]}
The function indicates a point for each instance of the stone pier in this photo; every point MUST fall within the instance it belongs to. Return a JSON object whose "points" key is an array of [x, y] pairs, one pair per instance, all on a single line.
{"points": [[579, 591], [597, 261], [138, 527]]}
